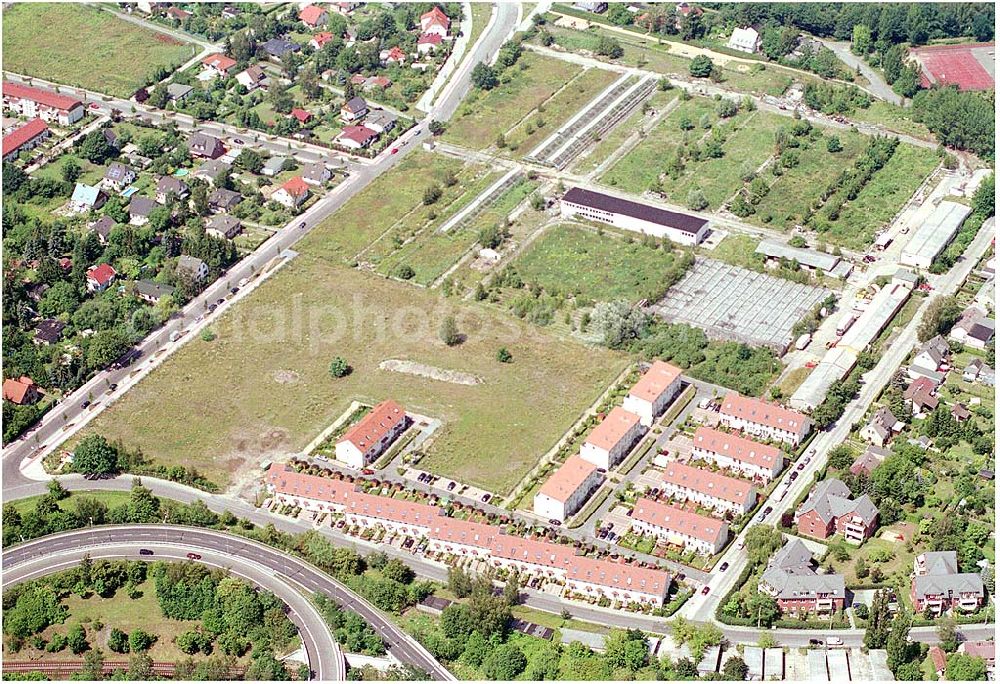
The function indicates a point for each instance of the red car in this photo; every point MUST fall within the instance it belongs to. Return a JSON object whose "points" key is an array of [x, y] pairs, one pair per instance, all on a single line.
{"points": [[394, 150], [194, 556], [706, 589], [367, 471]]}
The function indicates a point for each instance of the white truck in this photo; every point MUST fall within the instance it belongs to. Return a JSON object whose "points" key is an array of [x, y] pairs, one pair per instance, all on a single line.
{"points": [[803, 341]]}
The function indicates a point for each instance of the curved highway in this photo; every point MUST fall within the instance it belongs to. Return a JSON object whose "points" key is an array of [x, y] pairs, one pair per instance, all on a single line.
{"points": [[261, 564]]}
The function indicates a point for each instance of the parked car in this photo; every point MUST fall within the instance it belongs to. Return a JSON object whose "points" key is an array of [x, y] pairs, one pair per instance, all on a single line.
{"points": [[555, 523], [795, 474], [451, 486], [367, 471], [767, 511], [706, 589], [85, 404], [113, 386], [486, 498], [723, 567]]}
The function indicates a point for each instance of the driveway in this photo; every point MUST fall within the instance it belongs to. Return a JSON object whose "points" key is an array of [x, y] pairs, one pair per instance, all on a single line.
{"points": [[878, 87]]}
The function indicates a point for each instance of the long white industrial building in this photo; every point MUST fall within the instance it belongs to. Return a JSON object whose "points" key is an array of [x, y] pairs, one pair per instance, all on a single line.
{"points": [[932, 236], [641, 218]]}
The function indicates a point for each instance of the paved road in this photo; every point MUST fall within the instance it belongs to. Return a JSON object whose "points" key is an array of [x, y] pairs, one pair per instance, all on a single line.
{"points": [[878, 87], [259, 563], [59, 552], [68, 417]]}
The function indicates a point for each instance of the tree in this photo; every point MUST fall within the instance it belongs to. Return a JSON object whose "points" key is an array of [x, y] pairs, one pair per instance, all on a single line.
{"points": [[459, 582], [619, 323], [95, 148], [71, 170], [726, 108], [833, 144], [840, 457], [436, 127], [483, 77], [609, 47], [735, 669], [504, 355], [449, 331], [339, 367], [763, 609], [76, 639], [118, 641], [696, 200], [140, 668], [398, 571], [249, 160], [95, 456], [432, 193], [984, 199], [139, 641], [701, 67], [897, 647], [861, 39], [948, 635], [941, 315], [505, 663], [965, 668]]}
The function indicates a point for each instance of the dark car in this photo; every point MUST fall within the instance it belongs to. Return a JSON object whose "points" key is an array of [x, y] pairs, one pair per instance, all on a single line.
{"points": [[802, 466], [221, 302], [815, 642], [706, 589], [85, 404], [302, 225], [212, 307], [194, 556], [113, 386], [145, 552], [555, 523], [486, 498], [723, 567], [451, 486], [234, 290], [767, 511], [795, 474]]}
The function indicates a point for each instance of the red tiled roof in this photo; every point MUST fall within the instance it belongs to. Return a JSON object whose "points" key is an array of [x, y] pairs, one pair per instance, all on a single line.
{"points": [[219, 61], [674, 519], [759, 411], [613, 428], [22, 135], [458, 531], [322, 38], [102, 274], [311, 14], [736, 447], [288, 481], [938, 658], [432, 38], [655, 381], [384, 418], [380, 81], [436, 16], [707, 482], [296, 187], [987, 650], [44, 97], [394, 510], [358, 79], [15, 389], [301, 114], [396, 54], [359, 134], [568, 478]]}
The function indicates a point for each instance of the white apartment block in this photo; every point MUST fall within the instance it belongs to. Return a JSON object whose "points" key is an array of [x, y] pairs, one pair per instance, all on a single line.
{"points": [[654, 391], [372, 435], [612, 439], [567, 489]]}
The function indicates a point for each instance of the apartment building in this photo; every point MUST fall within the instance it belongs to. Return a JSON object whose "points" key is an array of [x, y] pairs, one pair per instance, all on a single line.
{"points": [[764, 419], [654, 392], [567, 489], [612, 439], [372, 435], [708, 488], [761, 462], [698, 533]]}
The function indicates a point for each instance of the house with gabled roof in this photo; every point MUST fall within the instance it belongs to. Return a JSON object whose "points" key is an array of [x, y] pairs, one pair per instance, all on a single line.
{"points": [[86, 198], [882, 427], [150, 291], [117, 177], [221, 199], [223, 226], [428, 42], [920, 395], [48, 331], [372, 435], [21, 391], [354, 109], [292, 193], [567, 489], [212, 171], [102, 228], [356, 137], [435, 21], [764, 419], [313, 16], [25, 137], [868, 461], [205, 146], [100, 277], [612, 439], [252, 77], [938, 586], [31, 102], [139, 209], [830, 510], [762, 462], [693, 532], [393, 55], [654, 391], [974, 329], [708, 488], [192, 267], [279, 47], [219, 64], [170, 186], [792, 581]]}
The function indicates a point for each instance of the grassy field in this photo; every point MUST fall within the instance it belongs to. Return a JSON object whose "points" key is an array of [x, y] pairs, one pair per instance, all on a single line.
{"points": [[881, 198], [83, 46], [640, 167], [614, 140], [597, 267], [272, 353], [484, 115], [110, 499]]}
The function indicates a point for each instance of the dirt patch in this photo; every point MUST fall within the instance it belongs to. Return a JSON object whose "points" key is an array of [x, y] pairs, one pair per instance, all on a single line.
{"points": [[243, 462], [169, 40], [285, 377], [432, 372]]}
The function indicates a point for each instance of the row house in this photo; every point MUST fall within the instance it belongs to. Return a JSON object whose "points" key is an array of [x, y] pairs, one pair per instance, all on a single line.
{"points": [[937, 584], [654, 391], [792, 581], [709, 489], [567, 489], [698, 533], [752, 459], [26, 137], [829, 510], [43, 104], [764, 419], [612, 439], [372, 435]]}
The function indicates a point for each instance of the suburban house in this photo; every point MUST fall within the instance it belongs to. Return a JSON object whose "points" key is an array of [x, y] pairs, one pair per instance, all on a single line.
{"points": [[139, 209], [939, 586], [392, 56], [223, 226], [219, 64], [212, 171], [356, 137], [48, 331], [86, 198], [709, 489], [300, 115], [252, 77], [698, 533], [117, 177], [920, 396], [102, 228], [320, 39], [205, 146], [641, 218], [354, 109], [380, 121], [978, 371], [149, 291], [933, 354], [829, 510], [100, 277], [371, 436], [345, 8], [178, 92], [612, 439], [177, 13], [313, 16], [21, 391], [292, 193], [273, 166], [882, 427], [220, 200], [26, 137], [960, 412], [279, 47], [654, 391], [192, 267], [169, 185], [567, 489], [987, 650], [376, 82], [744, 39], [36, 103], [939, 660], [763, 419], [872, 458], [316, 174], [436, 22], [428, 42], [791, 580], [974, 329], [761, 462]]}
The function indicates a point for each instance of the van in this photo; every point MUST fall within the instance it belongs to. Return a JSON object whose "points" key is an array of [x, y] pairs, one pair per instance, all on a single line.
{"points": [[175, 335], [834, 641], [803, 341]]}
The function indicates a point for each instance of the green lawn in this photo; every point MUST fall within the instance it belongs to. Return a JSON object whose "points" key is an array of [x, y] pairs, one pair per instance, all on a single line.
{"points": [[644, 163], [614, 139], [880, 200], [484, 115], [80, 45], [110, 499], [315, 309], [90, 173], [598, 267]]}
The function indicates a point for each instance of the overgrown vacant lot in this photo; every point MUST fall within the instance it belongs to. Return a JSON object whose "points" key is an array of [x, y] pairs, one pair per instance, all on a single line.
{"points": [[485, 115], [262, 388], [83, 46], [597, 267]]}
